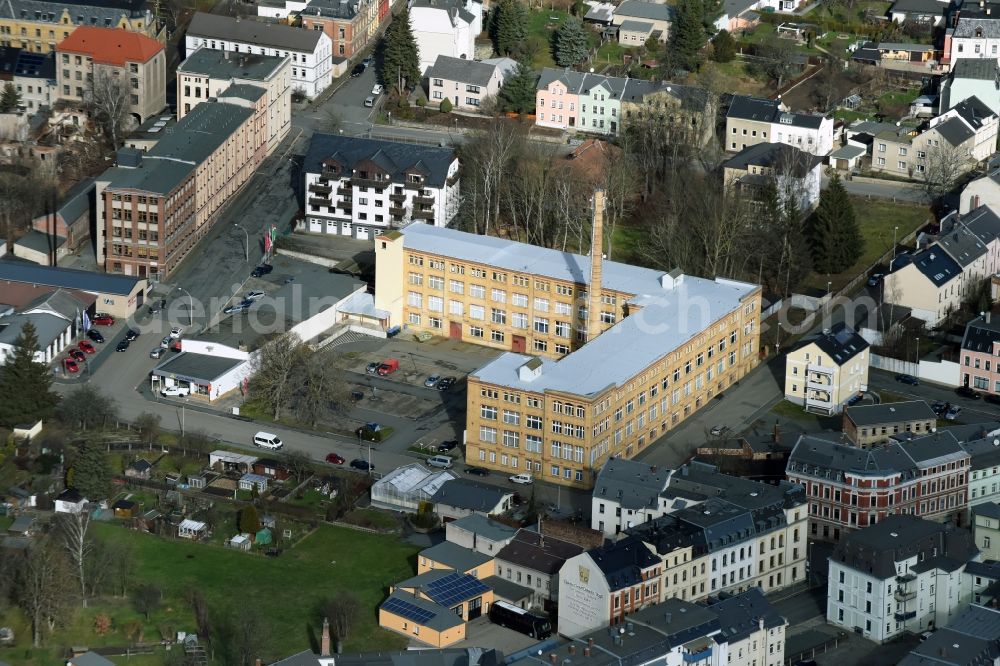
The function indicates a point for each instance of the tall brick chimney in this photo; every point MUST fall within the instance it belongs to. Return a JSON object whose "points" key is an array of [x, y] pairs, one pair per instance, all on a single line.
{"points": [[324, 641], [596, 265]]}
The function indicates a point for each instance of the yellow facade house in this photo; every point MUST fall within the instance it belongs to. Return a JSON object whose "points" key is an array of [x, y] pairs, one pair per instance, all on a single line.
{"points": [[823, 372], [600, 358], [38, 25], [434, 606]]}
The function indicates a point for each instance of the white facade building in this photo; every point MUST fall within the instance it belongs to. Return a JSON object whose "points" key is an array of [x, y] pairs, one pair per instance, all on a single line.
{"points": [[310, 51], [445, 28], [753, 120], [980, 119], [627, 493], [901, 574], [361, 187]]}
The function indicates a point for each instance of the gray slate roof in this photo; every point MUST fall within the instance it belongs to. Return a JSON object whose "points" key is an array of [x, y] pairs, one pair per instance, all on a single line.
{"points": [[973, 22], [636, 26], [973, 111], [767, 111], [645, 10], [962, 245], [971, 639], [455, 8], [469, 494], [461, 70], [980, 336], [91, 659], [484, 527], [543, 554], [40, 241], [196, 367], [339, 9], [225, 65], [455, 556], [630, 483], [273, 35], [101, 13], [54, 276], [841, 343], [76, 203], [988, 509], [954, 131], [778, 156], [740, 615], [395, 158], [47, 327], [622, 562], [983, 69], [892, 412], [934, 7]]}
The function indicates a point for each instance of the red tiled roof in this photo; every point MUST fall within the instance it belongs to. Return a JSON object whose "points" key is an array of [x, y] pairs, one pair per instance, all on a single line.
{"points": [[110, 46]]}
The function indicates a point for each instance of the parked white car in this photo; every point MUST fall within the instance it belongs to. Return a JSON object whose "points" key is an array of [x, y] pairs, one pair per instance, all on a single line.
{"points": [[523, 479], [377, 90], [175, 391], [176, 331]]}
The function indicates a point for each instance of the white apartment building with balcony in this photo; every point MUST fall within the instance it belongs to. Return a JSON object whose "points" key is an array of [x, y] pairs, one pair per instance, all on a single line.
{"points": [[823, 373], [360, 187]]}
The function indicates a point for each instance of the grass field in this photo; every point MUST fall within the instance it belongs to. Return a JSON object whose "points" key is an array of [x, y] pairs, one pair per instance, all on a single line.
{"points": [[286, 590], [877, 218]]}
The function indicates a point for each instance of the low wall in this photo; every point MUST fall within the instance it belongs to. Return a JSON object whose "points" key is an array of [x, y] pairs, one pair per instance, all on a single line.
{"points": [[887, 181], [311, 258], [946, 373]]}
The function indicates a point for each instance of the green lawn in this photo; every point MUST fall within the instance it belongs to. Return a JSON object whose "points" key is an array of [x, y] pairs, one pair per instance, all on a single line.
{"points": [[542, 25], [612, 53], [877, 219], [792, 411], [286, 589]]}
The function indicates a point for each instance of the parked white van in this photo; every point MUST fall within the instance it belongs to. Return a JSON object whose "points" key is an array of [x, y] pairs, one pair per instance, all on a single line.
{"points": [[266, 440], [523, 479], [444, 462]]}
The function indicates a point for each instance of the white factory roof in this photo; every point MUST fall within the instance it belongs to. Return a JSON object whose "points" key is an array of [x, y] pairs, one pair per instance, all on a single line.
{"points": [[415, 476]]}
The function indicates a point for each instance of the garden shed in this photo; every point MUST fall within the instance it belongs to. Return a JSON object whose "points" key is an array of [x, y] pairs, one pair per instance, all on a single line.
{"points": [[192, 529]]}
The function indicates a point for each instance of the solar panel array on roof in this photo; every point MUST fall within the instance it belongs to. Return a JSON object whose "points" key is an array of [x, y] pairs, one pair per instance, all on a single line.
{"points": [[407, 610], [455, 588]]}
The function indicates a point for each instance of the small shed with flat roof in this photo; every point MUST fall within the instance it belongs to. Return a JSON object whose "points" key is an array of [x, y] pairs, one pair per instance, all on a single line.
{"points": [[208, 376]]}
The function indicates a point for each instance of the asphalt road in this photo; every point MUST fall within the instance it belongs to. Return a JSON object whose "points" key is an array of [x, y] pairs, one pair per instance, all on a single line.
{"points": [[887, 190]]}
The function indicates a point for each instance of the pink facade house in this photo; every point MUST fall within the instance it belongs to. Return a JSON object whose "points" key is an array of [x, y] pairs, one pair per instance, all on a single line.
{"points": [[556, 99], [980, 363]]}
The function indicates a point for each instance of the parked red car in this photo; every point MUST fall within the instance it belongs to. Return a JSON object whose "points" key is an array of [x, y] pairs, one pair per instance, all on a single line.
{"points": [[86, 347], [389, 366], [70, 365], [334, 459], [103, 319]]}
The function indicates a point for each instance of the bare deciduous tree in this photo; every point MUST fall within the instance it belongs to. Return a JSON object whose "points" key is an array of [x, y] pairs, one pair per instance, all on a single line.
{"points": [[108, 97], [273, 379], [41, 586], [73, 529], [945, 165], [341, 611]]}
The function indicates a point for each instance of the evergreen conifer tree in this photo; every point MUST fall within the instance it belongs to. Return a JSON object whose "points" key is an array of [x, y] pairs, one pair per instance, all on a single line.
{"points": [[25, 384], [571, 46], [833, 231], [400, 59], [509, 27], [518, 92], [687, 36]]}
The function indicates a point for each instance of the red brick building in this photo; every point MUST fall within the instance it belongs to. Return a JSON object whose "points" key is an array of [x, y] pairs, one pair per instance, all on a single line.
{"points": [[349, 24]]}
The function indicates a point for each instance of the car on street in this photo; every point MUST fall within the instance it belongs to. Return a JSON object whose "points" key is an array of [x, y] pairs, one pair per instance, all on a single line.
{"points": [[235, 309], [523, 479], [357, 71], [157, 352], [940, 408], [967, 392], [432, 381], [261, 270], [122, 345], [477, 471], [369, 102], [992, 398], [953, 412], [95, 335], [77, 355], [70, 365], [908, 379], [372, 367], [86, 347], [874, 280], [131, 335], [165, 342], [254, 295], [377, 89], [448, 445], [157, 306], [363, 465], [446, 383], [176, 331], [175, 391], [717, 430], [335, 459], [367, 62], [104, 319], [387, 367]]}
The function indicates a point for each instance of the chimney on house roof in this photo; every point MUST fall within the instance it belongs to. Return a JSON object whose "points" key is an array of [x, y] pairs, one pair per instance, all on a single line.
{"points": [[324, 645], [596, 267]]}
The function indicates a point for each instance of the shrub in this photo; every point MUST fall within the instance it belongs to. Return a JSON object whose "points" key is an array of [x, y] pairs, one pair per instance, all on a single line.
{"points": [[446, 105], [102, 624]]}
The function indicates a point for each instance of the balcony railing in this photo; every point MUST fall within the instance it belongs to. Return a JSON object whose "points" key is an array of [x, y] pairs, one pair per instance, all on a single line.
{"points": [[692, 657], [820, 369], [369, 182], [903, 617], [398, 211], [414, 186], [316, 188], [422, 214], [316, 201], [400, 197], [421, 199], [818, 385], [904, 595], [906, 578], [328, 174]]}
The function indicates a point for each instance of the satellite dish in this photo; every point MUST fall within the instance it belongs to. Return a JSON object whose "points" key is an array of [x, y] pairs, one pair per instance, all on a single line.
{"points": [[591, 70]]}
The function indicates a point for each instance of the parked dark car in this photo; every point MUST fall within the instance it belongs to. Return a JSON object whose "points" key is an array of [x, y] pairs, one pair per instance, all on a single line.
{"points": [[477, 471], [131, 335], [358, 70], [908, 379], [940, 407], [122, 346], [448, 445], [357, 396], [363, 465], [967, 392], [446, 383], [261, 270], [95, 335], [157, 305], [992, 398]]}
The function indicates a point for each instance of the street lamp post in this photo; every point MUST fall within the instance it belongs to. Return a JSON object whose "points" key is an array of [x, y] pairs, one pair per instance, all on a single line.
{"points": [[894, 230], [247, 246], [917, 355], [190, 306]]}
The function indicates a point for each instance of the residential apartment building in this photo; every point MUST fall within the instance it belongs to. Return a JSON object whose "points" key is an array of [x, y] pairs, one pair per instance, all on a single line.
{"points": [[349, 25], [361, 187], [870, 425], [480, 534], [979, 364], [903, 574], [984, 474], [974, 33], [587, 102], [978, 117], [445, 28], [752, 629], [908, 151], [983, 191], [823, 372], [207, 73], [935, 280], [689, 111], [986, 529], [540, 408], [794, 173], [850, 488], [658, 17], [627, 493], [533, 560], [601, 586], [971, 77], [154, 207], [753, 120], [728, 534], [101, 55], [976, 632], [39, 25], [309, 50], [466, 83], [35, 79]]}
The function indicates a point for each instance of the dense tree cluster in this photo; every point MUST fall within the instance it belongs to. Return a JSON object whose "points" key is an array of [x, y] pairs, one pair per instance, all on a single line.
{"points": [[397, 60]]}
